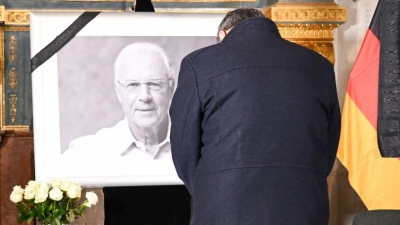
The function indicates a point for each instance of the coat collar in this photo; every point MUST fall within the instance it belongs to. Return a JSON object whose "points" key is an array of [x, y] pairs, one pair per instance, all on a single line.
{"points": [[253, 23]]}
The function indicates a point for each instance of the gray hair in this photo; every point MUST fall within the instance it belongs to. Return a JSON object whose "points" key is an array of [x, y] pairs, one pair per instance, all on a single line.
{"points": [[143, 48], [236, 16]]}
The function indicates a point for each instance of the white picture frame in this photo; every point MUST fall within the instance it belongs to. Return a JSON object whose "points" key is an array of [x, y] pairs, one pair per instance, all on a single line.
{"points": [[48, 138]]}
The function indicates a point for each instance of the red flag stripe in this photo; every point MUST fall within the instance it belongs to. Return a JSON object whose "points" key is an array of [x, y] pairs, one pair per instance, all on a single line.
{"points": [[363, 81]]}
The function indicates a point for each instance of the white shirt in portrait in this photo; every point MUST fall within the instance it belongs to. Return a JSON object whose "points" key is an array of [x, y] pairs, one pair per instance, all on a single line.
{"points": [[113, 142]]}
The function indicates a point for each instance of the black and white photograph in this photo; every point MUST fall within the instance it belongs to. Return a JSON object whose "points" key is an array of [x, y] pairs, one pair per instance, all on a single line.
{"points": [[101, 103], [115, 104]]}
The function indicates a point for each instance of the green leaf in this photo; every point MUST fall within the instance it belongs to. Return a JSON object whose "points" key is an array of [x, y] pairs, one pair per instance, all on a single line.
{"points": [[83, 207], [76, 211], [24, 216], [42, 208], [20, 218], [62, 210], [70, 216], [20, 208], [37, 210], [51, 207], [29, 219], [57, 214], [36, 213]]}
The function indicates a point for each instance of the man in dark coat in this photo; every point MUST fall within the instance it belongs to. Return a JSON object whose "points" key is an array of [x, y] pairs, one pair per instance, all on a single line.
{"points": [[255, 127]]}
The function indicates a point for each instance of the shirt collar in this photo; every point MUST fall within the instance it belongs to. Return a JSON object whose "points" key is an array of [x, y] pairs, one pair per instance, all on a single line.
{"points": [[255, 23], [127, 139]]}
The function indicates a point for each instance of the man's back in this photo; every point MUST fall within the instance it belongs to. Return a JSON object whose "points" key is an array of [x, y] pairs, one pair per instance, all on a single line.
{"points": [[266, 117]]}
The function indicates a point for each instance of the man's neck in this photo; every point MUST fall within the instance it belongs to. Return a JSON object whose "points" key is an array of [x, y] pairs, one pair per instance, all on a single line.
{"points": [[151, 136]]}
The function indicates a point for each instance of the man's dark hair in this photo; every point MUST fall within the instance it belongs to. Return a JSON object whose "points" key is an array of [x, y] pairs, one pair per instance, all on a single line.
{"points": [[236, 16]]}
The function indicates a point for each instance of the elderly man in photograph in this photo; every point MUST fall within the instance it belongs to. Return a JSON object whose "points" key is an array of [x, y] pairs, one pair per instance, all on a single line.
{"points": [[144, 87], [255, 127]]}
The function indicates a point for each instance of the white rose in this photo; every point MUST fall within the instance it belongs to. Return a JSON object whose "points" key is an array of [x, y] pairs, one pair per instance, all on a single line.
{"points": [[29, 195], [34, 185], [31, 189], [18, 189], [65, 185], [16, 196], [87, 204], [41, 196], [92, 197], [56, 182], [29, 192], [74, 190], [56, 194], [43, 187]]}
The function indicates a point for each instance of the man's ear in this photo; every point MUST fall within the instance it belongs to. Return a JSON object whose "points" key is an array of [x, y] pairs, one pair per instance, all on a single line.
{"points": [[171, 85], [221, 34], [116, 91]]}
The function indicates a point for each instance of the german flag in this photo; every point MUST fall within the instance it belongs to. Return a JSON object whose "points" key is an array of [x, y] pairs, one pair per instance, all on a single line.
{"points": [[369, 143]]}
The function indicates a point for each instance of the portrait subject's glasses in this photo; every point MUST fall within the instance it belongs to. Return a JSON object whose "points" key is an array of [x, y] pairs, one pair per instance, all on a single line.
{"points": [[135, 86]]}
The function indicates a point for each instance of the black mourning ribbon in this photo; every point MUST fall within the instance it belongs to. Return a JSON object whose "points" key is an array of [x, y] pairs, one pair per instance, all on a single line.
{"points": [[61, 40], [389, 79]]}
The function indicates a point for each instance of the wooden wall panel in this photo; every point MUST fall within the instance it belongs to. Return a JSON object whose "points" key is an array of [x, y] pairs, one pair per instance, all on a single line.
{"points": [[16, 168]]}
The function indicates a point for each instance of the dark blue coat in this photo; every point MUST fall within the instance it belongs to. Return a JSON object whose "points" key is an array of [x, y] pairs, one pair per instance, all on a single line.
{"points": [[255, 129]]}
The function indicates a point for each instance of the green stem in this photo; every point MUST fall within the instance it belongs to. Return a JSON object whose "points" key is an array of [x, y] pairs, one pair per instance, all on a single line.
{"points": [[84, 219], [27, 207], [69, 200]]}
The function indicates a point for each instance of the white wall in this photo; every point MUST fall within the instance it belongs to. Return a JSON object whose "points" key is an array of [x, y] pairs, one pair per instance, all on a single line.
{"points": [[348, 39]]}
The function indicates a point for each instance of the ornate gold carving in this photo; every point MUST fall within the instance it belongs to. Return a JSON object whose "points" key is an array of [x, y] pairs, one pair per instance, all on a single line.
{"points": [[15, 28], [12, 76], [323, 48], [21, 17], [2, 12], [317, 37], [309, 24], [13, 106], [307, 31], [20, 128], [307, 12], [17, 17], [13, 48]]}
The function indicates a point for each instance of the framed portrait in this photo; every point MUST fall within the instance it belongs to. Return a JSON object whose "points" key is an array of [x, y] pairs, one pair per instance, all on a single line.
{"points": [[88, 126]]}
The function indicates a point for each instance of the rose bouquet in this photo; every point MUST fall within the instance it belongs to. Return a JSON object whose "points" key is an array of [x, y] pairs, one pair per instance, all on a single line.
{"points": [[53, 205]]}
